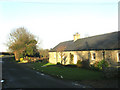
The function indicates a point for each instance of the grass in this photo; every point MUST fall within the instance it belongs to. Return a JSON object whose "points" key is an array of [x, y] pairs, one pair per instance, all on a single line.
{"points": [[23, 61], [48, 64], [69, 73]]}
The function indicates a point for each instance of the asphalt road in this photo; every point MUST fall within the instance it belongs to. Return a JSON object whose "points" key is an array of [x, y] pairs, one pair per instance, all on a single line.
{"points": [[18, 76]]}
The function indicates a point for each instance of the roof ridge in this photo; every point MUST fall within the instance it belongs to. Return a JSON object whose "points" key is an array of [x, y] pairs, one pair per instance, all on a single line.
{"points": [[102, 41], [99, 35]]}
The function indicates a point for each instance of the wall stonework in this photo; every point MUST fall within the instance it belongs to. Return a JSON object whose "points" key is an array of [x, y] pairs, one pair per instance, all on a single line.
{"points": [[51, 57], [110, 56]]}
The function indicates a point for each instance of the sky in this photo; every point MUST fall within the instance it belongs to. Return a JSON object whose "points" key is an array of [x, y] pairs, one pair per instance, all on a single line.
{"points": [[55, 21]]}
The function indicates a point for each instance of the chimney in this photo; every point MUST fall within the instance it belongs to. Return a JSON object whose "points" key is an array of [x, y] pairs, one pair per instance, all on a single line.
{"points": [[76, 36]]}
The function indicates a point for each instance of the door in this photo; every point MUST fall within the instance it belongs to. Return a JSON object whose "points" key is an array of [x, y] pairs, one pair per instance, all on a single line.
{"points": [[75, 59]]}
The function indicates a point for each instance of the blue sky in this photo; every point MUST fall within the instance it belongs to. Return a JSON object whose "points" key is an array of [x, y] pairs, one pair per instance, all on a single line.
{"points": [[54, 21]]}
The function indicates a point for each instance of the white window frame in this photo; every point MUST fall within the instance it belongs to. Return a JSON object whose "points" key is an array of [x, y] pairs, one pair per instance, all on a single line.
{"points": [[93, 56], [54, 55], [75, 59], [118, 57], [59, 56]]}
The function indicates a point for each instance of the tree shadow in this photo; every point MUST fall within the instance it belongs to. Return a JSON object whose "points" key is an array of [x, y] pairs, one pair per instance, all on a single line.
{"points": [[85, 60]]}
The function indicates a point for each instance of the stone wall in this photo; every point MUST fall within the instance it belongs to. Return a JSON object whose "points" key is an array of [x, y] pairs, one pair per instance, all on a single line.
{"points": [[109, 55]]}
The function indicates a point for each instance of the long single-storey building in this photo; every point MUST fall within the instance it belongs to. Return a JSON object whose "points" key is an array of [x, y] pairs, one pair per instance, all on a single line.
{"points": [[94, 48]]}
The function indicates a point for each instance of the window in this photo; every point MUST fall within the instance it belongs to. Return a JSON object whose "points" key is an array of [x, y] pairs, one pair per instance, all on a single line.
{"points": [[93, 56], [54, 55], [59, 56], [118, 56], [103, 53]]}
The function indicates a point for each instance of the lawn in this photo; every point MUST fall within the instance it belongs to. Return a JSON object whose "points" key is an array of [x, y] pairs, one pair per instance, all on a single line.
{"points": [[69, 73]]}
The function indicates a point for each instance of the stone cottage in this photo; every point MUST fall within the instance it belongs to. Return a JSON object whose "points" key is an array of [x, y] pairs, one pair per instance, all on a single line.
{"points": [[95, 48]]}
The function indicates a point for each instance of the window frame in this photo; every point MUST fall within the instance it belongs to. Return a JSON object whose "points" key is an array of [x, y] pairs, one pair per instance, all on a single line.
{"points": [[118, 58], [93, 56], [103, 54], [54, 55], [59, 56]]}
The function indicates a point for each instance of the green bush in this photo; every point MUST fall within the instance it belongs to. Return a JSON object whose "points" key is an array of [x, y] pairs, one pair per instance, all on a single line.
{"points": [[92, 67], [79, 63], [29, 58], [95, 64], [102, 64], [45, 61], [21, 59], [71, 58], [85, 64], [58, 63]]}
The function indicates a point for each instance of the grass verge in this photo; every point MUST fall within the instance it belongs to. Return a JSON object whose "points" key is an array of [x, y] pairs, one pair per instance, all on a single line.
{"points": [[69, 73]]}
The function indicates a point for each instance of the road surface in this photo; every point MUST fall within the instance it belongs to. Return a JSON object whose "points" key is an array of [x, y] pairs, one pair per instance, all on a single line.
{"points": [[18, 76]]}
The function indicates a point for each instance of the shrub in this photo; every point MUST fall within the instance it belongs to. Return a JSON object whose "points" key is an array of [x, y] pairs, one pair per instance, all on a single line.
{"points": [[21, 59], [95, 64], [85, 64], [99, 65], [71, 58], [58, 63], [92, 67], [102, 64], [79, 63], [29, 59], [45, 61]]}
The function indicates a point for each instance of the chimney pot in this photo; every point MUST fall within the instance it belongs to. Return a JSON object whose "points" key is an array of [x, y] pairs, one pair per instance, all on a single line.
{"points": [[76, 36]]}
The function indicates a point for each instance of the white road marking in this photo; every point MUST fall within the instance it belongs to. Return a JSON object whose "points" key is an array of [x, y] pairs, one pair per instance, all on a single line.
{"points": [[61, 76], [42, 74]]}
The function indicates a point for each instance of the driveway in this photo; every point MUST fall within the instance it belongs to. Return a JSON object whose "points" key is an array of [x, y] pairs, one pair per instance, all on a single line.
{"points": [[18, 76]]}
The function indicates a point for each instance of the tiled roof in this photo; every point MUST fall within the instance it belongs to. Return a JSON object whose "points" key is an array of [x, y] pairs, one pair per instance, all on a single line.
{"points": [[107, 41]]}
